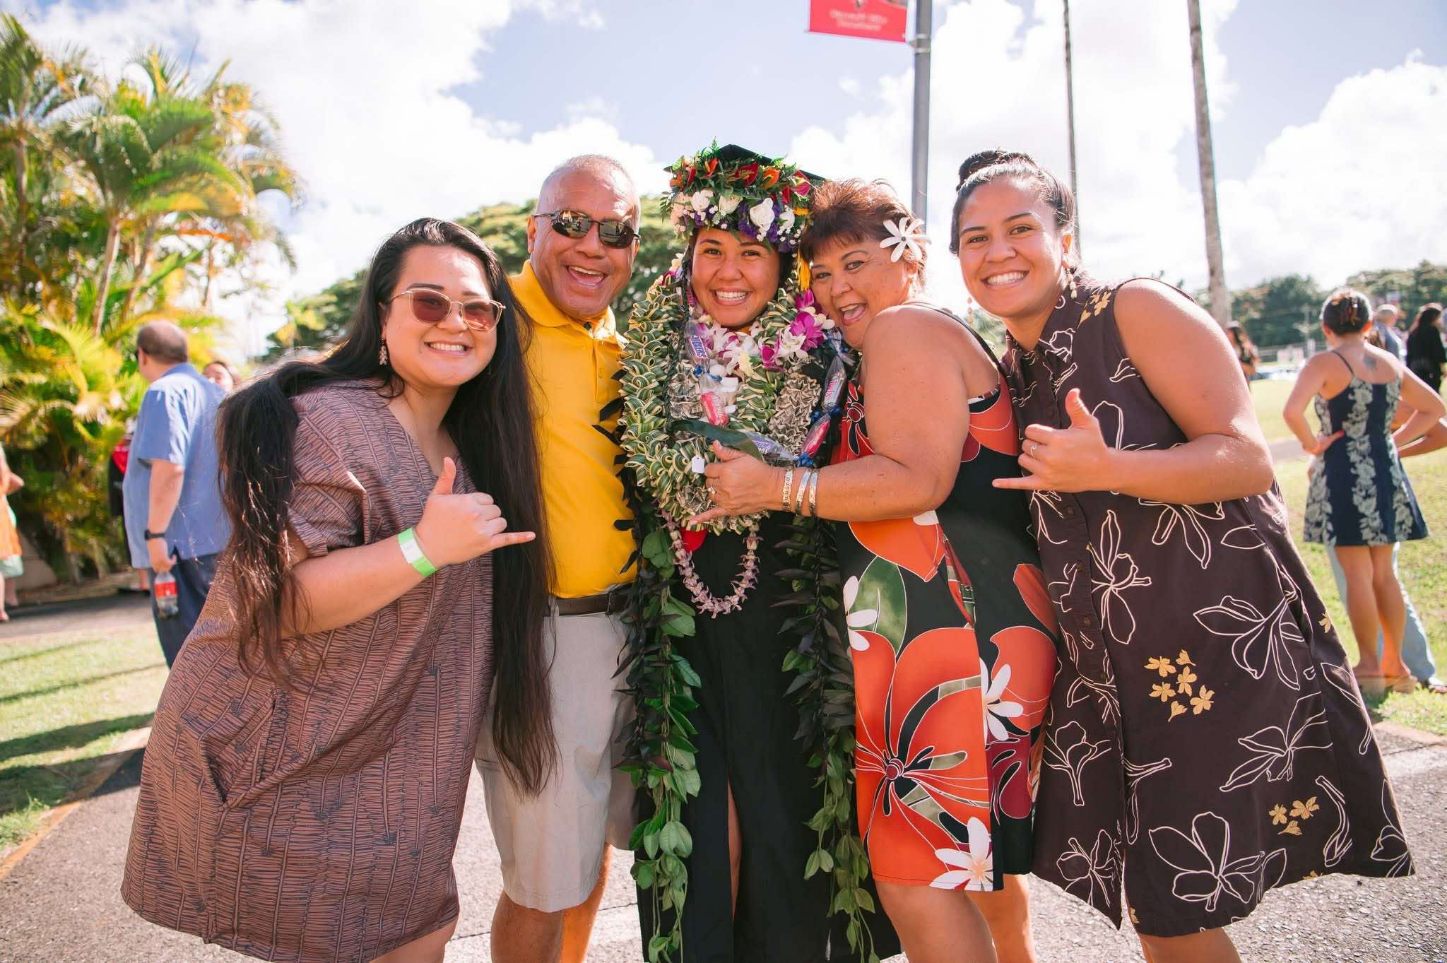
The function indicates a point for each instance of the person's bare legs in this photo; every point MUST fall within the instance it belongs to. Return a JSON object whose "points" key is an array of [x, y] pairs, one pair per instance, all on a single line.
{"points": [[425, 949], [522, 935], [1208, 946], [937, 925], [578, 921], [1391, 610], [1007, 913], [1361, 602], [4, 617]]}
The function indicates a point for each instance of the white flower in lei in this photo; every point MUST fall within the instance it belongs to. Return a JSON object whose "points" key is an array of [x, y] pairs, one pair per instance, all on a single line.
{"points": [[786, 219], [702, 201], [728, 203], [762, 214]]}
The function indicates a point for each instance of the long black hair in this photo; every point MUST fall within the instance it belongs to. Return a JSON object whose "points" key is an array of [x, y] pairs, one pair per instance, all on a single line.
{"points": [[491, 423]]}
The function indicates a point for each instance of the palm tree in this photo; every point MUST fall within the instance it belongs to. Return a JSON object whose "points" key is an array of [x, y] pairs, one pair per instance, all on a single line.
{"points": [[243, 135], [145, 158], [1220, 297], [35, 91]]}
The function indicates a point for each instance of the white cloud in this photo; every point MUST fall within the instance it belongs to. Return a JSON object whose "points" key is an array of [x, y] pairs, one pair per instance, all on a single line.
{"points": [[367, 112], [1359, 187]]}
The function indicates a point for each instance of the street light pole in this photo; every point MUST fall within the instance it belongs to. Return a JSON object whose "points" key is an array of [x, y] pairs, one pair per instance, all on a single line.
{"points": [[923, 31]]}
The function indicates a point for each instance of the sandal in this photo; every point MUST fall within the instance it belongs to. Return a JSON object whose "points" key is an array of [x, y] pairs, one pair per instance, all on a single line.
{"points": [[1401, 684], [1434, 685], [1371, 686]]}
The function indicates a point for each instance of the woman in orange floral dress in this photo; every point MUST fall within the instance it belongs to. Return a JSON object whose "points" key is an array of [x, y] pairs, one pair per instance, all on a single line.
{"points": [[951, 629]]}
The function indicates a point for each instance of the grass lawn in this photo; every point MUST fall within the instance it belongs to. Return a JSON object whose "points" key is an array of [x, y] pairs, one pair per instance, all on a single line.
{"points": [[1269, 396], [1423, 568], [65, 701]]}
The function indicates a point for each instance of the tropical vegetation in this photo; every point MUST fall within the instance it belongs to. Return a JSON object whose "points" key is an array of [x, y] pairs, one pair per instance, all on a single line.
{"points": [[122, 200]]}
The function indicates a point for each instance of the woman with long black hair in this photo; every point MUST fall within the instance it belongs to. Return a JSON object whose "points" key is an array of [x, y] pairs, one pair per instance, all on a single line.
{"points": [[304, 782]]}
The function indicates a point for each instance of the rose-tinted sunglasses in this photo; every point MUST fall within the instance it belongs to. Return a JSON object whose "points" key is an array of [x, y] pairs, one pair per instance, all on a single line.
{"points": [[431, 307]]}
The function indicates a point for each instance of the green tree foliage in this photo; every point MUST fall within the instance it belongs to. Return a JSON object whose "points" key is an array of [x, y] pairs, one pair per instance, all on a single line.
{"points": [[315, 322], [119, 202], [1410, 287], [1278, 311]]}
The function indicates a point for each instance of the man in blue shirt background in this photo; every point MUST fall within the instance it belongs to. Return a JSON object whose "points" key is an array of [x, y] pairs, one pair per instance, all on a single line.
{"points": [[172, 492]]}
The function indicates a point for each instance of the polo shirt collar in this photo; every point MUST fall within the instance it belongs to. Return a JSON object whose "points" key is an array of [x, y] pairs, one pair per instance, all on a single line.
{"points": [[529, 293]]}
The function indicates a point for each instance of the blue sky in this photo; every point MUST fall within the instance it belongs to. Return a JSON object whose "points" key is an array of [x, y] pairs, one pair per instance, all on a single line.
{"points": [[1286, 56], [1330, 144]]}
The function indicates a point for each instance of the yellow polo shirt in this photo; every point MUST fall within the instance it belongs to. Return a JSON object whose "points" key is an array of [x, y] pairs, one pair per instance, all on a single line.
{"points": [[571, 364]]}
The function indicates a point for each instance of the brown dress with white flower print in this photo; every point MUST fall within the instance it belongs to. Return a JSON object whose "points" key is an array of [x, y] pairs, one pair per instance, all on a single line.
{"points": [[1205, 741]]}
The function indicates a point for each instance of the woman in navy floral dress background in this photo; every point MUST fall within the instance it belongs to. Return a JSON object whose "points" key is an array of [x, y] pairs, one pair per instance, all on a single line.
{"points": [[1205, 741], [1360, 503]]}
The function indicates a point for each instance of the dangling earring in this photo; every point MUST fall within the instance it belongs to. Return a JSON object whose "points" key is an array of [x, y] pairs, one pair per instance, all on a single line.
{"points": [[1074, 292], [382, 358]]}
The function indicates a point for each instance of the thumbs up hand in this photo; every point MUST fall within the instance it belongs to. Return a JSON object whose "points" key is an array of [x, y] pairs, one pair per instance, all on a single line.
{"points": [[459, 527], [1072, 459]]}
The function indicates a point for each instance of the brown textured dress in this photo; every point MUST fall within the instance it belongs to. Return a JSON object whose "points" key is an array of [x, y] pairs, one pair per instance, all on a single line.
{"points": [[319, 823], [1205, 741]]}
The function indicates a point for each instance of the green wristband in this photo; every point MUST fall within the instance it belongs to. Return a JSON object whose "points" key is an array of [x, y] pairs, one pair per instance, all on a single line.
{"points": [[412, 552]]}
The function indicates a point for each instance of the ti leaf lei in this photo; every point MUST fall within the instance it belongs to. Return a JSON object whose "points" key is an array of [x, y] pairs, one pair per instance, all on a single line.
{"points": [[660, 756]]}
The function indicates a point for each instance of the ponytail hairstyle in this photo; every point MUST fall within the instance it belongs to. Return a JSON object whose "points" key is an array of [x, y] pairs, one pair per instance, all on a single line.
{"points": [[490, 421], [992, 165], [1347, 311]]}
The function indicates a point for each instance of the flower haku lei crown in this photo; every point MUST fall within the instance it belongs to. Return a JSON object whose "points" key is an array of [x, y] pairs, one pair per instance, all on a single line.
{"points": [[735, 189]]}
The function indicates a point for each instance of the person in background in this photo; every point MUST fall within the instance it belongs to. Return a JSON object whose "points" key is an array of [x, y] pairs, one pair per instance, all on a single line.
{"points": [[174, 520], [12, 565], [1245, 349], [1384, 326], [1356, 389], [219, 373], [1425, 352], [554, 845]]}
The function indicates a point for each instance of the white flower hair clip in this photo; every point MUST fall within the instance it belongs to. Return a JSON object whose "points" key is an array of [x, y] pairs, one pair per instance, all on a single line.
{"points": [[904, 235]]}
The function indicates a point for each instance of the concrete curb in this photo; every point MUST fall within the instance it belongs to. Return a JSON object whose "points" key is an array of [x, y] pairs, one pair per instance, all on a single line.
{"points": [[131, 743]]}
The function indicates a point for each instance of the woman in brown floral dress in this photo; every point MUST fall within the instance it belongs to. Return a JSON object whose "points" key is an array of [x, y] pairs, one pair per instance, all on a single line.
{"points": [[1205, 741], [303, 786]]}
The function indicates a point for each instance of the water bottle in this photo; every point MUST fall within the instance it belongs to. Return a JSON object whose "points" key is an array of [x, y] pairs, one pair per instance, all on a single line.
{"points": [[163, 591]]}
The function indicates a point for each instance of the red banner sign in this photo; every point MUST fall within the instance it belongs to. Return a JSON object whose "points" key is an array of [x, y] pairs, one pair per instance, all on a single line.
{"points": [[875, 19]]}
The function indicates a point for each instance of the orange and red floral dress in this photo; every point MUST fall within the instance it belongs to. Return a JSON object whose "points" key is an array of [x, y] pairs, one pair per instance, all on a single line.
{"points": [[954, 647]]}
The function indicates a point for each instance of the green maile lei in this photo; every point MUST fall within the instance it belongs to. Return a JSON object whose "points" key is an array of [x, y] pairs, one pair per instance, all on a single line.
{"points": [[664, 488]]}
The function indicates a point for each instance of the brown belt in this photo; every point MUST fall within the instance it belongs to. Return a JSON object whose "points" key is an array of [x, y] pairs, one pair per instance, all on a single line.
{"points": [[612, 602]]}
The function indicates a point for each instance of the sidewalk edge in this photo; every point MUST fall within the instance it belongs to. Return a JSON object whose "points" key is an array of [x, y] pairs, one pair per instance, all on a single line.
{"points": [[128, 746]]}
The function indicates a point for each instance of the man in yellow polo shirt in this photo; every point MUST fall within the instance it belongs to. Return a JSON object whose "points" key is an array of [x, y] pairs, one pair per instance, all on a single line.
{"points": [[581, 246]]}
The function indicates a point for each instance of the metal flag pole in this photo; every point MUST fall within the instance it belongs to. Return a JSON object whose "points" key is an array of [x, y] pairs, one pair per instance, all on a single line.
{"points": [[923, 30]]}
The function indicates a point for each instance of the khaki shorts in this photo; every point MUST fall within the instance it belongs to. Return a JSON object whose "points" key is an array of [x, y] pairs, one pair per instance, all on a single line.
{"points": [[551, 845]]}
